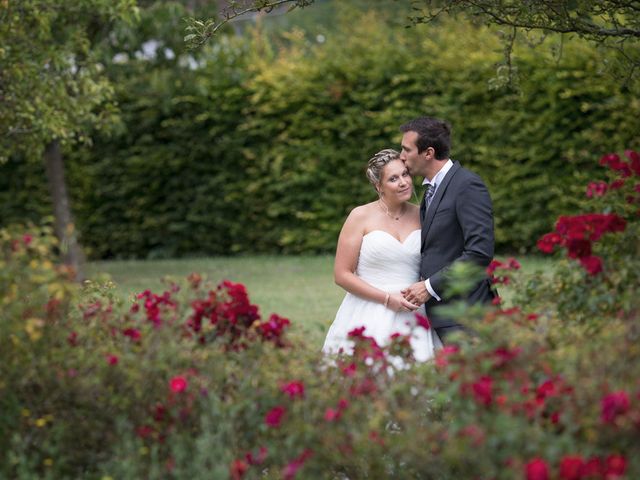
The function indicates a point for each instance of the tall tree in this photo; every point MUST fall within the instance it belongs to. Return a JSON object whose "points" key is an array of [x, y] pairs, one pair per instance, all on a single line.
{"points": [[612, 24], [53, 89]]}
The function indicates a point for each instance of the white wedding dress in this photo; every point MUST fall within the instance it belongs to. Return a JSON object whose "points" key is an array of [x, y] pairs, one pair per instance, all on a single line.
{"points": [[390, 265]]}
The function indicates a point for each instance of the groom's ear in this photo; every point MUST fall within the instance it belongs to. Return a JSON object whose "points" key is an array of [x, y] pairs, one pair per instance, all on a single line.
{"points": [[429, 151]]}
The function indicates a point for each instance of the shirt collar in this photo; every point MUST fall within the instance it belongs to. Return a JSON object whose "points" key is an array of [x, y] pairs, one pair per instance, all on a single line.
{"points": [[440, 175]]}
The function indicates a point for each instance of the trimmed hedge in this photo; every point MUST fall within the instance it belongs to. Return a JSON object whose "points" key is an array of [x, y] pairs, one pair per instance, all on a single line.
{"points": [[263, 149]]}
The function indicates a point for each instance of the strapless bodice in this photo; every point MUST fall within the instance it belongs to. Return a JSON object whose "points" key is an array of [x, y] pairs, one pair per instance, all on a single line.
{"points": [[387, 263]]}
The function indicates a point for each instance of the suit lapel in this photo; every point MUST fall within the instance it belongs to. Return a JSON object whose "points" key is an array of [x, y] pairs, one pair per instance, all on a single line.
{"points": [[435, 202]]}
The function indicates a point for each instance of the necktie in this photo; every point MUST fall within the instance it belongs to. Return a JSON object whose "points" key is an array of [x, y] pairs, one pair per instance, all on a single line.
{"points": [[428, 195]]}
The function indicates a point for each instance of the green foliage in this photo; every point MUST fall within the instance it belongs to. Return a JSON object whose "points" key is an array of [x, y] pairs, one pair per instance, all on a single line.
{"points": [[194, 383], [582, 297], [262, 148], [53, 86]]}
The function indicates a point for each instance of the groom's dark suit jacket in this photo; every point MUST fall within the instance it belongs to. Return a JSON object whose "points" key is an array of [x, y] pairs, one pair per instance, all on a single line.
{"points": [[458, 226]]}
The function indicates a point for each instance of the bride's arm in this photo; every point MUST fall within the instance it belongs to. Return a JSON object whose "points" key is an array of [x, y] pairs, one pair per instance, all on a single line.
{"points": [[347, 252]]}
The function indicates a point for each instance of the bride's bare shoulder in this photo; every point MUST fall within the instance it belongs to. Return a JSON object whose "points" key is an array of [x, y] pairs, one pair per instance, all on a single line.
{"points": [[361, 214], [363, 211]]}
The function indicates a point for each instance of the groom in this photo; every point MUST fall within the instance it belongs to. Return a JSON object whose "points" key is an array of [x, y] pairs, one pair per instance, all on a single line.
{"points": [[456, 217]]}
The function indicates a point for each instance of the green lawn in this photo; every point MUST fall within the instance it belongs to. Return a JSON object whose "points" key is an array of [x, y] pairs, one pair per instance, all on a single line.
{"points": [[300, 288]]}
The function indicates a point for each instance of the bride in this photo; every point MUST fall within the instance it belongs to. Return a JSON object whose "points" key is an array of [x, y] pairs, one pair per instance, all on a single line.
{"points": [[378, 255]]}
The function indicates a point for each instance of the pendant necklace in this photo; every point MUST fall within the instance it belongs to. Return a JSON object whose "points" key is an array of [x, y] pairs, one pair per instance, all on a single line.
{"points": [[385, 209]]}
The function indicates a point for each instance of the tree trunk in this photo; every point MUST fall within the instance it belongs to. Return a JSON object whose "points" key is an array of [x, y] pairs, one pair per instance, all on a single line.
{"points": [[63, 221]]}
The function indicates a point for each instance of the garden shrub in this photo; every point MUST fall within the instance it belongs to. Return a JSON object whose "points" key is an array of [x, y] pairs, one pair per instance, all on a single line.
{"points": [[262, 148], [194, 382]]}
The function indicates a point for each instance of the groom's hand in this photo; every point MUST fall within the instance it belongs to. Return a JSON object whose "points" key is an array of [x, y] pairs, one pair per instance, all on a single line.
{"points": [[416, 293]]}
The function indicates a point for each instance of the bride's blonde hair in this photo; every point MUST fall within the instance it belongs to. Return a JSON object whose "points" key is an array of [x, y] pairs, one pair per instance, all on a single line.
{"points": [[378, 162]]}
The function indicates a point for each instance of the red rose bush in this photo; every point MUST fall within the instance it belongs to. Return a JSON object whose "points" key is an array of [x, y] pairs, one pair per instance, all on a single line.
{"points": [[195, 382]]}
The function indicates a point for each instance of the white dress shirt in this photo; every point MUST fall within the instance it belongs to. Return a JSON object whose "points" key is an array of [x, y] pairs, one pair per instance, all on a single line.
{"points": [[435, 181]]}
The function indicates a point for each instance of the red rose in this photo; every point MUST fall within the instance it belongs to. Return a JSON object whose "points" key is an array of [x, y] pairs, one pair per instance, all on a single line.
{"points": [[423, 321], [273, 418], [133, 333], [615, 466], [514, 264], [578, 248], [237, 469], [257, 459], [72, 339], [592, 468], [571, 467], [610, 158], [612, 405], [178, 384], [293, 389], [548, 241], [475, 434], [493, 266], [537, 469], [356, 332], [482, 390], [112, 359], [444, 353], [592, 264], [634, 157], [616, 184]]}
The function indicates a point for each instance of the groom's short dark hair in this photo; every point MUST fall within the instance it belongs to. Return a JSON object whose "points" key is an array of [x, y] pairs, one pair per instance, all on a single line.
{"points": [[432, 132]]}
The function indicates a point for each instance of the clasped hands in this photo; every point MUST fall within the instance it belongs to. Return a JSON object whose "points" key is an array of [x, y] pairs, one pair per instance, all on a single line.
{"points": [[409, 299]]}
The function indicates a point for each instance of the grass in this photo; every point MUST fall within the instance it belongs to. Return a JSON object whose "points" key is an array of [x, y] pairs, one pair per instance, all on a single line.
{"points": [[300, 288]]}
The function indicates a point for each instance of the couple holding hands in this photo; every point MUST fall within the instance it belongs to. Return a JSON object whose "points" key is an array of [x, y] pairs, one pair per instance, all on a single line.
{"points": [[392, 256]]}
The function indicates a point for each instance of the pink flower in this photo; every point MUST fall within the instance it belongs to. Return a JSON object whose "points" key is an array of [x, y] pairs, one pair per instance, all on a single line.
{"points": [[612, 405], [596, 189], [257, 459], [505, 355], [442, 355], [293, 389], [296, 464], [514, 264], [349, 370], [26, 239], [331, 415], [112, 359], [273, 418], [475, 434], [537, 469], [178, 384], [571, 467]]}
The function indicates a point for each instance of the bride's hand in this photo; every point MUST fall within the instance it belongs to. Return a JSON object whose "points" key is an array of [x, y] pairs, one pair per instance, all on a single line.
{"points": [[398, 303]]}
